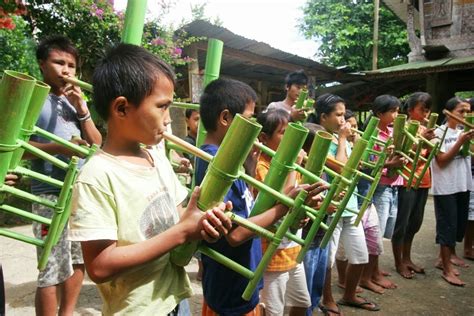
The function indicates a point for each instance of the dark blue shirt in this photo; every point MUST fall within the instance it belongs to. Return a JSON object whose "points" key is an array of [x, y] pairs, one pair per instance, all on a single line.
{"points": [[222, 287]]}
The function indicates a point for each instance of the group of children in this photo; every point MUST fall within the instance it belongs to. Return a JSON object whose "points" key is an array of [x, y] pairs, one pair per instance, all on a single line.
{"points": [[129, 209]]}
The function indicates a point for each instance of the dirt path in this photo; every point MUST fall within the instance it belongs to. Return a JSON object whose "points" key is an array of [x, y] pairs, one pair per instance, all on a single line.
{"points": [[425, 295]]}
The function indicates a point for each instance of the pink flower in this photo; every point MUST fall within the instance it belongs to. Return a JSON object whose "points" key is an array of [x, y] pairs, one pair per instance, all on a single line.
{"points": [[158, 41], [177, 51]]}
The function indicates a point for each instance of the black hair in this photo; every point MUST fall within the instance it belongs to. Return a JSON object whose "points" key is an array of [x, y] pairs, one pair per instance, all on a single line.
{"points": [[297, 77], [418, 97], [129, 71], [313, 129], [189, 112], [348, 114], [224, 94], [57, 42], [471, 103], [271, 119], [325, 104], [453, 102], [384, 103]]}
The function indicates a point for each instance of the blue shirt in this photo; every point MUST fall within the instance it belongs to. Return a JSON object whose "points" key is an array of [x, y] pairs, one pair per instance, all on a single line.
{"points": [[352, 204], [222, 287], [57, 116]]}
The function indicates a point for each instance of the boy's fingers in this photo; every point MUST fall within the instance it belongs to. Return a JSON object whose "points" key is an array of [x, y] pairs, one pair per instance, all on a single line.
{"points": [[194, 198], [225, 221], [218, 220], [210, 233]]}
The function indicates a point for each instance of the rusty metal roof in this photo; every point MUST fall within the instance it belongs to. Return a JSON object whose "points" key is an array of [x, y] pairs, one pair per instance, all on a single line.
{"points": [[246, 58]]}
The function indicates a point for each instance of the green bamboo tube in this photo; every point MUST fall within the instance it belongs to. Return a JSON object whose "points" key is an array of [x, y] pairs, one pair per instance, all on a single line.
{"points": [[81, 84], [21, 237], [211, 73], [15, 93], [290, 218], [432, 120], [134, 22], [309, 104], [411, 130], [281, 165], [371, 129], [398, 128], [301, 98], [317, 154], [353, 162], [247, 273], [38, 97], [25, 214], [221, 172], [465, 150]]}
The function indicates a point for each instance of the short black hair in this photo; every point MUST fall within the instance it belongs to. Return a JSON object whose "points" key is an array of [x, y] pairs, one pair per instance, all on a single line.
{"points": [[129, 71], [312, 130], [453, 102], [57, 42], [189, 112], [224, 94], [348, 114], [271, 119], [384, 103], [296, 77], [418, 97], [325, 104]]}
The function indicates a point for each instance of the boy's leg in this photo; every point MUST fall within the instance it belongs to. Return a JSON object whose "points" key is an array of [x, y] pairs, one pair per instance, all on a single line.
{"points": [[366, 277], [446, 220], [341, 266], [462, 200], [315, 265], [70, 290], [297, 295], [406, 201]]}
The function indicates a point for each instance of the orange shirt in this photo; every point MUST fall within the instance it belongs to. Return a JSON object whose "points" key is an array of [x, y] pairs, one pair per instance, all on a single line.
{"points": [[426, 180], [284, 259]]}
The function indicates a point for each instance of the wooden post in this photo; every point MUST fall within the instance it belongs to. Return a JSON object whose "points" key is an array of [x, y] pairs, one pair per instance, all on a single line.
{"points": [[376, 35]]}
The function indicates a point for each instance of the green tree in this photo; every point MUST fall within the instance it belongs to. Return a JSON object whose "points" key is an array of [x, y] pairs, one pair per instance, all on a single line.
{"points": [[345, 30], [17, 48]]}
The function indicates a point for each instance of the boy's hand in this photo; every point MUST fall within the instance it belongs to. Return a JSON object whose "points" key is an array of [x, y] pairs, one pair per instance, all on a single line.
{"points": [[428, 133], [210, 225], [297, 114], [397, 161], [74, 96], [467, 136], [313, 198], [300, 158], [184, 166]]}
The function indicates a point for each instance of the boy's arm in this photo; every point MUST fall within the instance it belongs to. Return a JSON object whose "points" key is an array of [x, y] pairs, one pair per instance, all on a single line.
{"points": [[104, 259]]}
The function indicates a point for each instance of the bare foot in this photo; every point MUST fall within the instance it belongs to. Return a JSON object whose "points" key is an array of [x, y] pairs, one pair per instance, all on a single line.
{"points": [[384, 282], [415, 268], [452, 279], [439, 265], [371, 286], [405, 271], [458, 262], [385, 273], [343, 286]]}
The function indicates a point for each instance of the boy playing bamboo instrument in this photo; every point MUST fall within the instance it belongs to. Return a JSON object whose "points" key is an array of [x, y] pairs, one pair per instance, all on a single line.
{"points": [[127, 201], [223, 288]]}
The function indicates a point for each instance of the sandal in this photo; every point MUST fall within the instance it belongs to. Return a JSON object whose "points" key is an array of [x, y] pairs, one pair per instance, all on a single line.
{"points": [[327, 310], [365, 304]]}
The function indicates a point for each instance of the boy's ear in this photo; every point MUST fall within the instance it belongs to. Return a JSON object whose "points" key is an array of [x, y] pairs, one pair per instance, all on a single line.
{"points": [[263, 137], [225, 118], [120, 107]]}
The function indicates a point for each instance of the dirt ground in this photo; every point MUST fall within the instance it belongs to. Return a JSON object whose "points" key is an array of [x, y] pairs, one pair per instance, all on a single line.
{"points": [[425, 295]]}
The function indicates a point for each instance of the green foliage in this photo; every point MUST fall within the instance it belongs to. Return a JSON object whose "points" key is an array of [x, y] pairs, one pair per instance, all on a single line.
{"points": [[17, 49], [345, 29]]}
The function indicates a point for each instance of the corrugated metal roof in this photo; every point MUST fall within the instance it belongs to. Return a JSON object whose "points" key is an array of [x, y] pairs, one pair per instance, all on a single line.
{"points": [[232, 65]]}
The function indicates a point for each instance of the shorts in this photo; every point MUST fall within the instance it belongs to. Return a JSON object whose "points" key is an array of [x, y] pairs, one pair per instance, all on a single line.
{"points": [[411, 209], [353, 240], [63, 255], [451, 217], [373, 238], [285, 288]]}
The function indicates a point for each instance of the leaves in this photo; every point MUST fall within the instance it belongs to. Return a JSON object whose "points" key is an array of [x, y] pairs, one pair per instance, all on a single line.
{"points": [[345, 30]]}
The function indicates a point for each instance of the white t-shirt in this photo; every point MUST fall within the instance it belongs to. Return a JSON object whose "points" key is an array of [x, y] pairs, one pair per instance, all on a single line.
{"points": [[117, 200], [456, 175]]}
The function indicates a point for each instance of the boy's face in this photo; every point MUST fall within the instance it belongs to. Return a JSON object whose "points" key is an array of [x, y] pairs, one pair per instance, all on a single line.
{"points": [[294, 90], [148, 121], [193, 122], [58, 65]]}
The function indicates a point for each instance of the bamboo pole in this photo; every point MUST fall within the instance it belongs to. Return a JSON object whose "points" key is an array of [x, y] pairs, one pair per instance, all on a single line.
{"points": [[281, 165], [465, 150], [134, 22], [221, 172], [15, 94], [301, 99]]}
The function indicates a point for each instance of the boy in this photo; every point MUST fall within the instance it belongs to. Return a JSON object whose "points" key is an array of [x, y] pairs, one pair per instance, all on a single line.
{"points": [[221, 101], [294, 83], [124, 201], [65, 114]]}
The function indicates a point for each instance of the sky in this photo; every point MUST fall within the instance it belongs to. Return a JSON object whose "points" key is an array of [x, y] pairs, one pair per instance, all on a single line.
{"points": [[272, 22]]}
